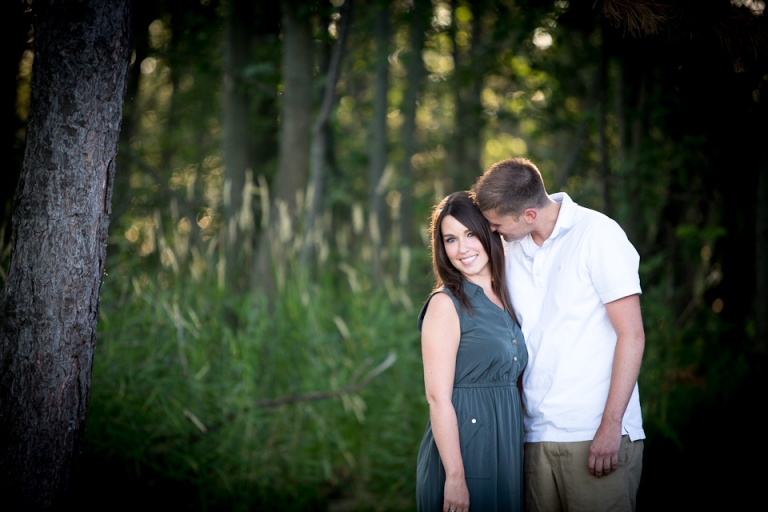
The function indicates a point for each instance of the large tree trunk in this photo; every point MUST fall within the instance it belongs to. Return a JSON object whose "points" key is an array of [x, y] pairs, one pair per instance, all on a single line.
{"points": [[295, 124], [379, 146], [50, 302]]}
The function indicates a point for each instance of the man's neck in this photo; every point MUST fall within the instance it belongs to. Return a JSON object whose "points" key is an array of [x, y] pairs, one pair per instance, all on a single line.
{"points": [[545, 222]]}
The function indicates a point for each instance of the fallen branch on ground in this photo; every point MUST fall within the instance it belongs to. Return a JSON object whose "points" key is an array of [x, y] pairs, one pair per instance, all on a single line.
{"points": [[323, 395]]}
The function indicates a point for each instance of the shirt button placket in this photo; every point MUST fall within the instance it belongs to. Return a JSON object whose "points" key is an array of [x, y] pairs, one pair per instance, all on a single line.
{"points": [[537, 272]]}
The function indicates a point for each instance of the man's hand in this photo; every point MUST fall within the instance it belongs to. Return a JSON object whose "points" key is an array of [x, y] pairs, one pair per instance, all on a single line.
{"points": [[604, 450]]}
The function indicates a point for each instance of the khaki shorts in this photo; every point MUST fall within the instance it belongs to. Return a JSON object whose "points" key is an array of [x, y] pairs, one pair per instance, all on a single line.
{"points": [[557, 478]]}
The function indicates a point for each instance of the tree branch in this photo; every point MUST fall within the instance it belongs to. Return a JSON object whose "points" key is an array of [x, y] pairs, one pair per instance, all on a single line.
{"points": [[354, 387]]}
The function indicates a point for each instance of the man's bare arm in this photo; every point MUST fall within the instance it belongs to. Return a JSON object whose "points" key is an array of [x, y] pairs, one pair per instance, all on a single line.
{"points": [[627, 321]]}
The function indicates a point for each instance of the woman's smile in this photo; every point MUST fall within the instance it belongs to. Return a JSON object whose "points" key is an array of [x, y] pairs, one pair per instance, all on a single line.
{"points": [[464, 248]]}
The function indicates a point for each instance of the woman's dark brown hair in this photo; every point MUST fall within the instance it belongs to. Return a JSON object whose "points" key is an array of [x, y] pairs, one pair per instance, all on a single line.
{"points": [[459, 205]]}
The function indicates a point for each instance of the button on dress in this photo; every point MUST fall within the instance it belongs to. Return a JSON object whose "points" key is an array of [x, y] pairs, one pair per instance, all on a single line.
{"points": [[490, 358]]}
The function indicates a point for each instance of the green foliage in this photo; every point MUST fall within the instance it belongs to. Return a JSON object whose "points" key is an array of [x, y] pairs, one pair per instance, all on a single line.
{"points": [[182, 363], [175, 395], [685, 367]]}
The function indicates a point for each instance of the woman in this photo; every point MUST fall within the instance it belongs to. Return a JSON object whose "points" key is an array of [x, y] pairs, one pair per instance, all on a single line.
{"points": [[473, 351]]}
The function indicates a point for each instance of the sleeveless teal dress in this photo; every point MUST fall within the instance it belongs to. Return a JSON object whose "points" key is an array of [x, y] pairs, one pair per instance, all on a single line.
{"points": [[490, 359]]}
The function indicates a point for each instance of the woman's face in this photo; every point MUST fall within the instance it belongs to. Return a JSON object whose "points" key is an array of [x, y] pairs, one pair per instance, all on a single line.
{"points": [[463, 248]]}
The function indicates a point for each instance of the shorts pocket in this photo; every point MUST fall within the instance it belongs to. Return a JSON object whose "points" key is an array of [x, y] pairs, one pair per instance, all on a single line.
{"points": [[475, 448]]}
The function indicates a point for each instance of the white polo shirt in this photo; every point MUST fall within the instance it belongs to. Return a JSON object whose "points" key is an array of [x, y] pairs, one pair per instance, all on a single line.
{"points": [[559, 292]]}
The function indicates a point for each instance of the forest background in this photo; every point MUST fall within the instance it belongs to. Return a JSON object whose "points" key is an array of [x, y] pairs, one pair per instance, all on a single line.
{"points": [[268, 254]]}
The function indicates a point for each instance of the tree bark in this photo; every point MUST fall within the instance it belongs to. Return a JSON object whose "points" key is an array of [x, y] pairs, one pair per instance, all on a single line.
{"points": [[457, 153], [320, 139], [379, 147], [471, 67], [240, 19], [410, 103], [295, 125], [50, 302]]}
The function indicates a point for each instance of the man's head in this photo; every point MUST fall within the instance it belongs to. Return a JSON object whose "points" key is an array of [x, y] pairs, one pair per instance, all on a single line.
{"points": [[507, 193], [509, 187]]}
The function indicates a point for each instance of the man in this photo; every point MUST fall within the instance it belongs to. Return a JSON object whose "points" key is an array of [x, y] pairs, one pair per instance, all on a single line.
{"points": [[573, 279]]}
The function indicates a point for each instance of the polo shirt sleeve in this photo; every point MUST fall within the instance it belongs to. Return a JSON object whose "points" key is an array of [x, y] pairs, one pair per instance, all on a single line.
{"points": [[612, 262]]}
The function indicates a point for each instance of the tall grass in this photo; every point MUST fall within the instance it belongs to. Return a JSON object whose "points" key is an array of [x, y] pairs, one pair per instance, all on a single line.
{"points": [[180, 371], [201, 399]]}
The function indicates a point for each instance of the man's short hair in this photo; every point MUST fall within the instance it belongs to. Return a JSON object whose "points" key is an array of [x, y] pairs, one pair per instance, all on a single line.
{"points": [[509, 187]]}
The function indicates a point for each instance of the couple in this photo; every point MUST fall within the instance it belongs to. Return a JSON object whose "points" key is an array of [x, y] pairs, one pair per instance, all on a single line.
{"points": [[555, 306]]}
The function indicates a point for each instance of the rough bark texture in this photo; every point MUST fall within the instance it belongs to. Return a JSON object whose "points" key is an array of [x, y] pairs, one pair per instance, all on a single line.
{"points": [[49, 304]]}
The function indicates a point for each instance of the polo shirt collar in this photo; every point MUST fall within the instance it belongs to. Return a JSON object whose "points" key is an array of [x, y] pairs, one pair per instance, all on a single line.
{"points": [[566, 215]]}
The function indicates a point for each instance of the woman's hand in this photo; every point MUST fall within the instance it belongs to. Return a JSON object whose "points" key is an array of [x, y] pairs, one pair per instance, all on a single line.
{"points": [[456, 495]]}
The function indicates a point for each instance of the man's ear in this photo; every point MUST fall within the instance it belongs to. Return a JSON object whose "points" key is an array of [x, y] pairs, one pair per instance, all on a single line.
{"points": [[529, 215]]}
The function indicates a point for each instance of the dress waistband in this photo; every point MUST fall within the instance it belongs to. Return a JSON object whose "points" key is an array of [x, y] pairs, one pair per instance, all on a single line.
{"points": [[486, 385]]}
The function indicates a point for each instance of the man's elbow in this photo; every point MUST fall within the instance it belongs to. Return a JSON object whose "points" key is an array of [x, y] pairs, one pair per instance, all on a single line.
{"points": [[637, 343]]}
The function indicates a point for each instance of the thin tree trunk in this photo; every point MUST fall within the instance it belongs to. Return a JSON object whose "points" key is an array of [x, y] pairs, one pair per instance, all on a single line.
{"points": [[263, 90], [634, 174], [410, 103], [295, 126], [479, 68], [142, 16], [629, 154], [319, 138], [379, 145], [239, 25], [50, 302], [470, 70], [457, 159]]}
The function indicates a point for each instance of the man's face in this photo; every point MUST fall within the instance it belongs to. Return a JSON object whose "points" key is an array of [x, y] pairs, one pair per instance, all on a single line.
{"points": [[508, 226]]}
